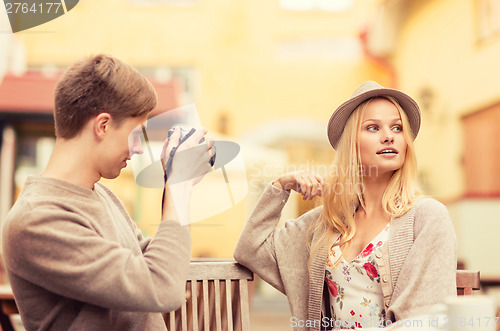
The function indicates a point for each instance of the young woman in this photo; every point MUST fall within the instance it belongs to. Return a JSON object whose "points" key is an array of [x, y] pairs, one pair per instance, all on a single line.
{"points": [[376, 251]]}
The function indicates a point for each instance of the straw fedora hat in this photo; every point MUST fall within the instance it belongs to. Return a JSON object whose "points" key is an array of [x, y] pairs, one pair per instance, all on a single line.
{"points": [[365, 91]]}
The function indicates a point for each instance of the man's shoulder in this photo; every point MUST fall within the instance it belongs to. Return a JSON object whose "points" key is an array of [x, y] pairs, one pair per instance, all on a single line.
{"points": [[40, 198], [30, 210], [105, 193]]}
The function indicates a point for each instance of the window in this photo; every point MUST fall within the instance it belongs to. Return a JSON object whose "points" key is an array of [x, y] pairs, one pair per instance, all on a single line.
{"points": [[321, 5], [324, 49], [481, 159], [488, 18]]}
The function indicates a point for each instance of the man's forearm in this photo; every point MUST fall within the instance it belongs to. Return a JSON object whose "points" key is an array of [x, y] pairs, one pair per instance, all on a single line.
{"points": [[176, 202]]}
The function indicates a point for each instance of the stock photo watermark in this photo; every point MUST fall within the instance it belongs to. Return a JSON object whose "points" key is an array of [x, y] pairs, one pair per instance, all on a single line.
{"points": [[424, 323], [26, 14], [258, 172]]}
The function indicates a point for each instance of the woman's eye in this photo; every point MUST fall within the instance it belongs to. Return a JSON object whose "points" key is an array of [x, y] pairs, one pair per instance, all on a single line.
{"points": [[372, 128], [398, 128]]}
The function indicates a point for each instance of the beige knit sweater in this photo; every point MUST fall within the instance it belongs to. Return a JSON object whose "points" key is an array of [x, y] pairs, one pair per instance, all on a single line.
{"points": [[76, 261], [417, 264]]}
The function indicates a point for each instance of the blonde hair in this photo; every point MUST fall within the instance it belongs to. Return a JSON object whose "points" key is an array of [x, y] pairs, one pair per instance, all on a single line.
{"points": [[343, 191]]}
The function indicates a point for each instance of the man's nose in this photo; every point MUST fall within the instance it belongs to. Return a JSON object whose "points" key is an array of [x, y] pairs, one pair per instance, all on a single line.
{"points": [[136, 147]]}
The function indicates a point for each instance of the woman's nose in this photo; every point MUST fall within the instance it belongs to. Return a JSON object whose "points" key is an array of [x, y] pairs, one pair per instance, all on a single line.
{"points": [[388, 136]]}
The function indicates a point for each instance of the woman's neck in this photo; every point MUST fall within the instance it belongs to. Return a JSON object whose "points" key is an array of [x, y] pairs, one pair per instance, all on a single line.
{"points": [[373, 192]]}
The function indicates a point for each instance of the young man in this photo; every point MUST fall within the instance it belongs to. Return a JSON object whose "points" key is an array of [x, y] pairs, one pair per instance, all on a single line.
{"points": [[75, 259]]}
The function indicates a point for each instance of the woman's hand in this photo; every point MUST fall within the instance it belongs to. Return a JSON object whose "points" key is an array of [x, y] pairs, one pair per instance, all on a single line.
{"points": [[304, 182]]}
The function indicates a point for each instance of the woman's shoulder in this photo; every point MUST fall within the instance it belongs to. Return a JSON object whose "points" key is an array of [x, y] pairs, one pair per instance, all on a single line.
{"points": [[431, 211], [427, 205]]}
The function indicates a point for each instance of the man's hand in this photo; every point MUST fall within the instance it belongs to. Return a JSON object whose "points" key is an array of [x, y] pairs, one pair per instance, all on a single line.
{"points": [[190, 162], [190, 159]]}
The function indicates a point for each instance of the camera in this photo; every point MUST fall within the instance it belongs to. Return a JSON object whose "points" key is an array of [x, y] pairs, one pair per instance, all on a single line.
{"points": [[185, 134]]}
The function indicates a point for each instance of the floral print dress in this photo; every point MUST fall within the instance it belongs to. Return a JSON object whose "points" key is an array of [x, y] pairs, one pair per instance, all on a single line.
{"points": [[356, 298]]}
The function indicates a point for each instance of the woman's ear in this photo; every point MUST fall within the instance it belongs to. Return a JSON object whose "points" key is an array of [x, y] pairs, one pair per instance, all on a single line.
{"points": [[102, 123]]}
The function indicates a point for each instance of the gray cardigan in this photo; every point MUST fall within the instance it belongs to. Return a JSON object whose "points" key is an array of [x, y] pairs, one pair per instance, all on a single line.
{"points": [[417, 265], [76, 261]]}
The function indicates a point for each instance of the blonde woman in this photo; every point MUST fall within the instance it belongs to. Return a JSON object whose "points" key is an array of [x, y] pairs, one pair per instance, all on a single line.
{"points": [[376, 251]]}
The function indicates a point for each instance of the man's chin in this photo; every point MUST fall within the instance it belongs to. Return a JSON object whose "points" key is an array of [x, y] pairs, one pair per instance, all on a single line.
{"points": [[111, 175]]}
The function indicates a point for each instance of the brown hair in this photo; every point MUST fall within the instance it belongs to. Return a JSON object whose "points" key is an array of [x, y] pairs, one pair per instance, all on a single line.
{"points": [[96, 85]]}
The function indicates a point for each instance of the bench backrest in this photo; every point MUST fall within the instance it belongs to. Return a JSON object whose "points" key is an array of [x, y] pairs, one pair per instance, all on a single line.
{"points": [[217, 299]]}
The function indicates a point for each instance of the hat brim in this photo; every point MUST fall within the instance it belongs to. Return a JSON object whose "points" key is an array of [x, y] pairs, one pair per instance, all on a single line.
{"points": [[339, 118]]}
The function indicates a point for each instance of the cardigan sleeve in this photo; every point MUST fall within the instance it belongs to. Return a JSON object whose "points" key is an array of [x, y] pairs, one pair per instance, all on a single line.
{"points": [[267, 250], [428, 274]]}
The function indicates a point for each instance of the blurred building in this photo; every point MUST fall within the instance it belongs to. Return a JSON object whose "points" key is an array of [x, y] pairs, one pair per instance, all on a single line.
{"points": [[445, 53]]}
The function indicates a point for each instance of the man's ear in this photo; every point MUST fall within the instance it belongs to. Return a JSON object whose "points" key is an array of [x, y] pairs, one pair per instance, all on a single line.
{"points": [[102, 123]]}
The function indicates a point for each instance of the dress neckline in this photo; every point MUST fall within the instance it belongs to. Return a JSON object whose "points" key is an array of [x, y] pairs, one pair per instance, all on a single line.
{"points": [[359, 256]]}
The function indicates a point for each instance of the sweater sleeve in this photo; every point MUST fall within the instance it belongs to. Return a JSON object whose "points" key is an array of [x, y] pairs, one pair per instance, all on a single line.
{"points": [[428, 275], [143, 241], [262, 247], [59, 251]]}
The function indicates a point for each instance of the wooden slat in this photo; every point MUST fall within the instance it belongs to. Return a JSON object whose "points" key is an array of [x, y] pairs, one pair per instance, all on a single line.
{"points": [[194, 300], [229, 309], [206, 307], [217, 305], [245, 310], [183, 318], [171, 317]]}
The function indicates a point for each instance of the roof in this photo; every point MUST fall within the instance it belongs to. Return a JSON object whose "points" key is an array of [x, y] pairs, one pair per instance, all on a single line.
{"points": [[33, 93]]}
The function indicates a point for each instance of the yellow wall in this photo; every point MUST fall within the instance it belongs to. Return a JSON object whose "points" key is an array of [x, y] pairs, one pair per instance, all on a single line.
{"points": [[438, 48], [233, 45]]}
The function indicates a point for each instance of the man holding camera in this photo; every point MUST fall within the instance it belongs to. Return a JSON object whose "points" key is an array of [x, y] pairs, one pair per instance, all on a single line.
{"points": [[75, 259]]}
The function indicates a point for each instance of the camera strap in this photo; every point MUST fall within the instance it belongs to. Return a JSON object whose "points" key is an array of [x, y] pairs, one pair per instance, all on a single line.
{"points": [[168, 165]]}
